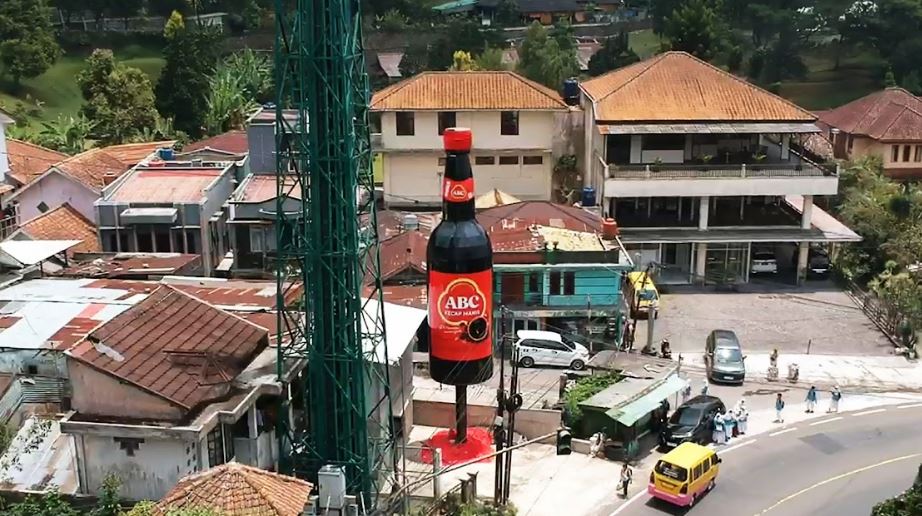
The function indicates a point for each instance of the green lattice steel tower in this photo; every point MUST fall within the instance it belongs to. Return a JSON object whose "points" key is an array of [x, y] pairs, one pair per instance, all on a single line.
{"points": [[328, 242]]}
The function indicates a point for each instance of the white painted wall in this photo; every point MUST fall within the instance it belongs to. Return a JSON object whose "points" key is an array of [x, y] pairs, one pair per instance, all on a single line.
{"points": [[536, 131], [55, 189], [4, 156], [676, 187], [154, 469], [418, 176]]}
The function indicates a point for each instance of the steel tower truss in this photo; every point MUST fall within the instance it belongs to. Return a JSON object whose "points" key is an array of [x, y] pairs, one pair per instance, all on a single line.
{"points": [[341, 402]]}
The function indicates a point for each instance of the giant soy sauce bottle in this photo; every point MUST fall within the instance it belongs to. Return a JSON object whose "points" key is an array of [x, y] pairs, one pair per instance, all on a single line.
{"points": [[460, 277]]}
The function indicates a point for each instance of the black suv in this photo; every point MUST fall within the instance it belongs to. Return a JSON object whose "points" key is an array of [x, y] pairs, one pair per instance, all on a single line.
{"points": [[692, 421]]}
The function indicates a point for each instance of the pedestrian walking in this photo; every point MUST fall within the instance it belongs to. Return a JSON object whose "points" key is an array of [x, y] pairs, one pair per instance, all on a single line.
{"points": [[719, 436], [834, 399], [627, 476], [742, 416], [811, 400], [779, 406], [704, 387]]}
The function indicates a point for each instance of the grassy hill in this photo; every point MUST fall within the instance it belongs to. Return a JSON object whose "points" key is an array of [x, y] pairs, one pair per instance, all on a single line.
{"points": [[56, 91]]}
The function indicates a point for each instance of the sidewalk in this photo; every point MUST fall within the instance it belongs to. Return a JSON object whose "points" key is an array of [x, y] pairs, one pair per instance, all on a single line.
{"points": [[858, 373]]}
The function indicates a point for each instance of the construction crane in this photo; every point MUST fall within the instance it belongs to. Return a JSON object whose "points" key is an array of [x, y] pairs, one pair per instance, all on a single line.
{"points": [[328, 243]]}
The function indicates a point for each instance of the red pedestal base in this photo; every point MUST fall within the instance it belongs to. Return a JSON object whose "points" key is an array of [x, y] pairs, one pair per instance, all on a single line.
{"points": [[479, 443]]}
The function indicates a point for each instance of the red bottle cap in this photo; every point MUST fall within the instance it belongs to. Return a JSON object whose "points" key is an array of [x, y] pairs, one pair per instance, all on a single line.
{"points": [[457, 139]]}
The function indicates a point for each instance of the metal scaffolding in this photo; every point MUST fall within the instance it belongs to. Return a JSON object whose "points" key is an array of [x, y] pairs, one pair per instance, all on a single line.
{"points": [[340, 405]]}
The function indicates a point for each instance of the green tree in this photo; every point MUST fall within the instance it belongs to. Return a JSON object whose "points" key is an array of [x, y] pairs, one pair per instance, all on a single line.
{"points": [[174, 24], [27, 43], [107, 503], [661, 11], [508, 13], [67, 134], [228, 103], [255, 73], [118, 99], [415, 59], [460, 34], [547, 57], [490, 59], [463, 62], [182, 91], [147, 509], [695, 28], [615, 53], [49, 504]]}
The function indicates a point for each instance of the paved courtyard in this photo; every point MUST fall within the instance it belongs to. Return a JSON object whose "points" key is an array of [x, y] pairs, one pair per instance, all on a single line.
{"points": [[766, 317]]}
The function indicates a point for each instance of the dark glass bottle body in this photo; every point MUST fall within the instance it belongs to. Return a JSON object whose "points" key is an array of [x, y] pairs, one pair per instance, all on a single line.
{"points": [[460, 279]]}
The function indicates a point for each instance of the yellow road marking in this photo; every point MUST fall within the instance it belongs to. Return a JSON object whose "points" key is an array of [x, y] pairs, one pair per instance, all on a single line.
{"points": [[838, 477]]}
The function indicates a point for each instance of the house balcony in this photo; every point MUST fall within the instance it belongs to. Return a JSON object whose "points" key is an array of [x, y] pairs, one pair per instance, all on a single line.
{"points": [[688, 179]]}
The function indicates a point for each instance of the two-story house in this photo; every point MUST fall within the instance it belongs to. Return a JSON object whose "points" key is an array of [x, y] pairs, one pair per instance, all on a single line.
{"points": [[514, 122], [168, 207], [701, 169], [886, 123]]}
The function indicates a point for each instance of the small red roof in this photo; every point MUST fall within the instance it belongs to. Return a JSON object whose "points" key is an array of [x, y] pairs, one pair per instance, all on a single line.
{"points": [[402, 252], [63, 223], [96, 167], [893, 114], [542, 213], [175, 346], [232, 141], [158, 185], [234, 489], [28, 161]]}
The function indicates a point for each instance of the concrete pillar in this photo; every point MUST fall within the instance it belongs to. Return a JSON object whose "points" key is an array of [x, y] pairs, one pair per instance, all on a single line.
{"points": [[636, 148], [802, 253], [785, 147], [806, 218], [688, 147], [701, 260], [252, 424], [704, 206]]}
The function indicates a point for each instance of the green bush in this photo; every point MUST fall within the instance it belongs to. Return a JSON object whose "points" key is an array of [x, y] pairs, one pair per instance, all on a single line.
{"points": [[584, 389]]}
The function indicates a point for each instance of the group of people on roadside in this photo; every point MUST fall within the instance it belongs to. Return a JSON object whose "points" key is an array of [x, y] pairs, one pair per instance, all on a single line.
{"points": [[730, 423]]}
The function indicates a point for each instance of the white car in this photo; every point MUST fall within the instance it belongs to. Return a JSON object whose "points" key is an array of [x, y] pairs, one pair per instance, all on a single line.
{"points": [[764, 262], [549, 348]]}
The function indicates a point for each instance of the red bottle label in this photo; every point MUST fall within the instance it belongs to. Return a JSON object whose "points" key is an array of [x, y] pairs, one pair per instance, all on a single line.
{"points": [[458, 191], [461, 315]]}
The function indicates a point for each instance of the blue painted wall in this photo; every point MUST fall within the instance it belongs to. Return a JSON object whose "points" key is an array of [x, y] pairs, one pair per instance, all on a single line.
{"points": [[598, 287]]}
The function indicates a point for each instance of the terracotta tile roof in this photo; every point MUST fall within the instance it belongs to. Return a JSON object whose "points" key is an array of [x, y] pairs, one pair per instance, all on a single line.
{"points": [[175, 346], [28, 161], [154, 185], [97, 167], [462, 91], [237, 490], [893, 114], [676, 86], [64, 223], [232, 141], [402, 252]]}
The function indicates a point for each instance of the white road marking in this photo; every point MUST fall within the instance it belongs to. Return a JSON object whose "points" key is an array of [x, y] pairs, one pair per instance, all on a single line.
{"points": [[735, 447], [836, 478], [914, 405], [823, 422], [628, 502], [779, 432], [866, 412]]}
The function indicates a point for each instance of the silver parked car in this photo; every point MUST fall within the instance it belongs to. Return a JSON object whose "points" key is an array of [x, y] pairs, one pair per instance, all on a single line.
{"points": [[723, 357]]}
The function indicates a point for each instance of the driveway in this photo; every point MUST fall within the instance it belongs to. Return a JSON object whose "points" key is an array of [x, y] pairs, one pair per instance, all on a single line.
{"points": [[767, 316]]}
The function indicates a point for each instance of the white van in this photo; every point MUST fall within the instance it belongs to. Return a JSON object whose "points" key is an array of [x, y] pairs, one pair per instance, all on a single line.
{"points": [[549, 348]]}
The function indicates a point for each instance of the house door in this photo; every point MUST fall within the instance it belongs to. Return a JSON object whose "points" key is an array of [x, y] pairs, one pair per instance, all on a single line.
{"points": [[512, 288]]}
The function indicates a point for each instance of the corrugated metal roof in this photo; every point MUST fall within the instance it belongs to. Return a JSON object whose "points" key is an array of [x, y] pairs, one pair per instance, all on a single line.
{"points": [[390, 63]]}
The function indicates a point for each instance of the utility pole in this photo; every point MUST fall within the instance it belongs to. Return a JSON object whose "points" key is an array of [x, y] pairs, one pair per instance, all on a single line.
{"points": [[513, 404], [499, 436]]}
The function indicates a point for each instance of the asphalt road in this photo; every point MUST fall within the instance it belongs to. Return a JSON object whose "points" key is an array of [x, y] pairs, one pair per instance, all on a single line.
{"points": [[829, 467]]}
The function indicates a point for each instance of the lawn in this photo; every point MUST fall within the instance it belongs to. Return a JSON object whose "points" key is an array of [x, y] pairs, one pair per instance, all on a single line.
{"points": [[644, 42], [825, 87], [56, 90]]}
